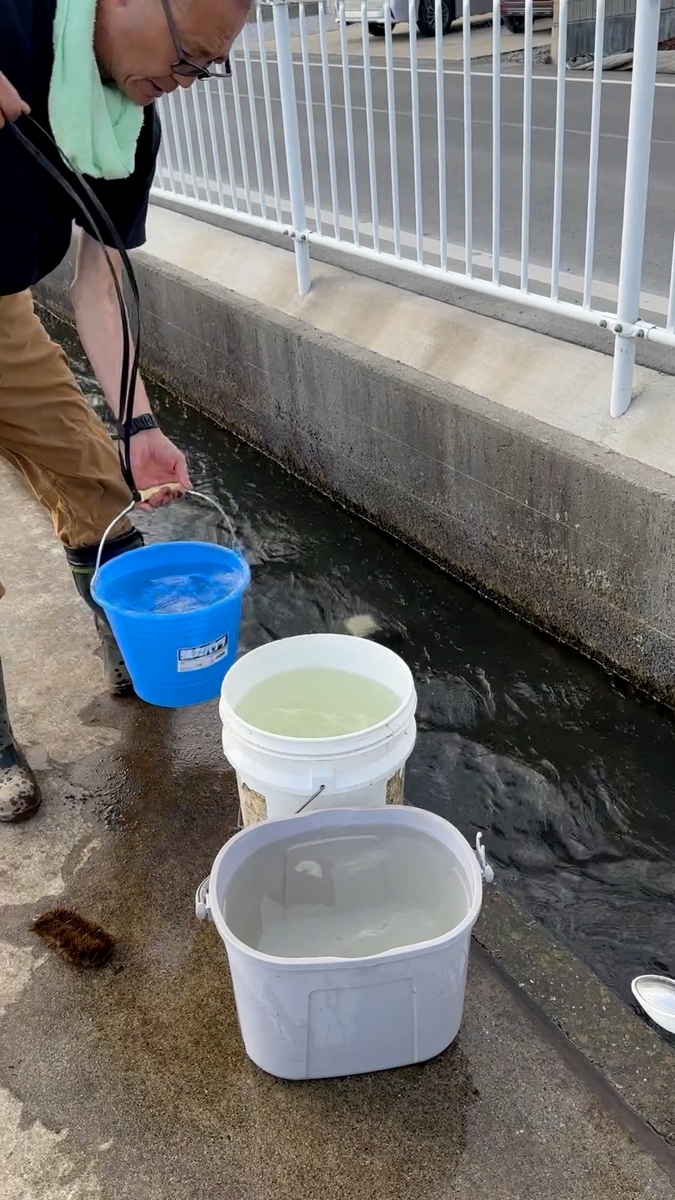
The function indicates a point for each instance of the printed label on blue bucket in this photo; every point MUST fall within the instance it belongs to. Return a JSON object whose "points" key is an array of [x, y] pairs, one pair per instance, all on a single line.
{"points": [[194, 658]]}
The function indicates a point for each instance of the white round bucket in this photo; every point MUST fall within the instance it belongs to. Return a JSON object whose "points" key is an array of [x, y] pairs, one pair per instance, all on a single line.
{"points": [[316, 1017], [277, 775]]}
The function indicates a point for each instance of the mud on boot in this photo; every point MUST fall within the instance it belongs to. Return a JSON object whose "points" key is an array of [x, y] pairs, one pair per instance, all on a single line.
{"points": [[115, 675], [19, 792], [82, 563]]}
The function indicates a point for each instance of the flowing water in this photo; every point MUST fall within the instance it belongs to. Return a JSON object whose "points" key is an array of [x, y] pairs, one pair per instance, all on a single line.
{"points": [[570, 772], [317, 702]]}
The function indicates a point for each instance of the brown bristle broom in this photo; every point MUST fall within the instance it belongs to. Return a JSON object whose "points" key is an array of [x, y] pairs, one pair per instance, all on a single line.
{"points": [[78, 940]]}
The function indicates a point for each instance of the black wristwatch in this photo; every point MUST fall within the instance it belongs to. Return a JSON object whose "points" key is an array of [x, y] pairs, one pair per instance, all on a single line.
{"points": [[138, 424]]}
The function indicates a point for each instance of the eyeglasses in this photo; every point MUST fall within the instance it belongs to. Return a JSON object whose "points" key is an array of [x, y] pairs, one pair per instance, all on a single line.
{"points": [[185, 66]]}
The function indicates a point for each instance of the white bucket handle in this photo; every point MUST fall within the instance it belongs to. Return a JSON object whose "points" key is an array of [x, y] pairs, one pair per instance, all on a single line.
{"points": [[202, 906], [485, 868], [130, 508]]}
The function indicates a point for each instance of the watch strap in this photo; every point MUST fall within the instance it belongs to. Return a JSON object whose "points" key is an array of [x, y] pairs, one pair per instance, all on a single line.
{"points": [[139, 424]]}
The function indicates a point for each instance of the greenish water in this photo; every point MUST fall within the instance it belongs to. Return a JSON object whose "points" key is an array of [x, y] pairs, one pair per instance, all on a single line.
{"points": [[317, 702]]}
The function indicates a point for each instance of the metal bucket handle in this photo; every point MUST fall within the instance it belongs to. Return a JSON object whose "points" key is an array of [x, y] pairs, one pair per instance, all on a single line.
{"points": [[144, 495]]}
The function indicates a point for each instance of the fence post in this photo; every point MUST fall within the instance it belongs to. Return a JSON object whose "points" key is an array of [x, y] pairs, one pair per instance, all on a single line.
{"points": [[635, 200], [289, 116]]}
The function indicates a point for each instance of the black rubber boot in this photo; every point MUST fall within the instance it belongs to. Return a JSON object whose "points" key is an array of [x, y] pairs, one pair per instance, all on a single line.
{"points": [[82, 564], [19, 792]]}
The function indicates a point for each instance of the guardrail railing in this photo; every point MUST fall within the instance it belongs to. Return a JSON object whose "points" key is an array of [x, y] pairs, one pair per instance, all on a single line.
{"points": [[502, 177]]}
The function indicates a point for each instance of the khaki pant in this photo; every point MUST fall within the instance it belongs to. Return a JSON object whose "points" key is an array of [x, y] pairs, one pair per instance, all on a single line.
{"points": [[49, 433]]}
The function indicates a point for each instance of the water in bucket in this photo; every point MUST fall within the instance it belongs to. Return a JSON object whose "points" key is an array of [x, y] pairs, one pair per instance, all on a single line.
{"points": [[150, 592], [346, 895], [317, 702]]}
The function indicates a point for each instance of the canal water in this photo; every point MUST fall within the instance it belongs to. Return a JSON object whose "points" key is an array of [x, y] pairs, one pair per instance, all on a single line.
{"points": [[569, 772]]}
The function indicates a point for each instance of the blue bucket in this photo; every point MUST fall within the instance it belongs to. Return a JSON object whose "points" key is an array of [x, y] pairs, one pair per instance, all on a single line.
{"points": [[175, 658]]}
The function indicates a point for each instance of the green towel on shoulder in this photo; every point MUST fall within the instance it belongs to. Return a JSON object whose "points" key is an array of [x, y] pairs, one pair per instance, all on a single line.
{"points": [[94, 124]]}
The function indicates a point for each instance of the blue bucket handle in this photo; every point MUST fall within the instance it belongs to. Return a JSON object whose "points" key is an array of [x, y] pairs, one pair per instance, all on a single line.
{"points": [[130, 508]]}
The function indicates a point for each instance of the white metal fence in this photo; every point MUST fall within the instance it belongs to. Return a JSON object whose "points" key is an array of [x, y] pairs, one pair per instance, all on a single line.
{"points": [[516, 181]]}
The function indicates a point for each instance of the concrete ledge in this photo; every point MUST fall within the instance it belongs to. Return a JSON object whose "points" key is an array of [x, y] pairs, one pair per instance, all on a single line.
{"points": [[565, 531], [647, 354], [624, 1053]]}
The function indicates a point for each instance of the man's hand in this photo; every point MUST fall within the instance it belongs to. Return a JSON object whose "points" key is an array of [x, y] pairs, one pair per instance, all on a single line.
{"points": [[154, 461], [11, 105]]}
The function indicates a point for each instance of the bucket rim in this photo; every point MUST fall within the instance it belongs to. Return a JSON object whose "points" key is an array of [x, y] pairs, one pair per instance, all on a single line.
{"points": [[274, 742], [100, 597], [397, 814]]}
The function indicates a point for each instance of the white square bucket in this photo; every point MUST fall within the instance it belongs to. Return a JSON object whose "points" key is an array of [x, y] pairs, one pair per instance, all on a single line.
{"points": [[318, 1017]]}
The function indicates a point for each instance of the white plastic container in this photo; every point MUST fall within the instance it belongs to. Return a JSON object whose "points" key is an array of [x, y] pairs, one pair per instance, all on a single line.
{"points": [[277, 776], [656, 995], [310, 1018]]}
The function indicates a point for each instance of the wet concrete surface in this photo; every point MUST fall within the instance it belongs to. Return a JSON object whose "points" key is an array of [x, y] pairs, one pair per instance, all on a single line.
{"points": [[138, 1070], [131, 1083], [147, 1053]]}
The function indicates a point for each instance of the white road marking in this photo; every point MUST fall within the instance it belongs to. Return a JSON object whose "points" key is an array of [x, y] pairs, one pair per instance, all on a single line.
{"points": [[586, 77]]}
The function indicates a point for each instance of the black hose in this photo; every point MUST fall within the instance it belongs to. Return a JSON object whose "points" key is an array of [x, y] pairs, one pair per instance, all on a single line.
{"points": [[92, 209]]}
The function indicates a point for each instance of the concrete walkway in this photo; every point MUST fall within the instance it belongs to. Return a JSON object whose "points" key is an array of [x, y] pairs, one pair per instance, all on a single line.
{"points": [[131, 1083], [453, 48]]}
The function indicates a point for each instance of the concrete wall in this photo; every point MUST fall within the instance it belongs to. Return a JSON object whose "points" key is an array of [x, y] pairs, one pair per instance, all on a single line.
{"points": [[568, 533], [619, 25]]}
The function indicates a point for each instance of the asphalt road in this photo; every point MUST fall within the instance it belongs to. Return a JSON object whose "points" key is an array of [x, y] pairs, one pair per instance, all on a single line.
{"points": [[614, 125]]}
